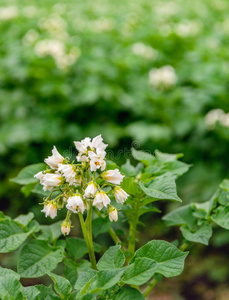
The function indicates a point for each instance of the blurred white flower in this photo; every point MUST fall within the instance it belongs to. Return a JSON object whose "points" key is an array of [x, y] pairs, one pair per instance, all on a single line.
{"points": [[224, 120], [54, 160], [97, 160], [214, 116], [144, 51], [101, 200], [54, 48], [90, 190], [113, 214], [51, 180], [8, 12], [164, 77], [30, 37], [188, 28], [120, 195], [29, 11], [50, 210], [68, 173], [113, 176], [102, 25], [75, 204], [54, 23]]}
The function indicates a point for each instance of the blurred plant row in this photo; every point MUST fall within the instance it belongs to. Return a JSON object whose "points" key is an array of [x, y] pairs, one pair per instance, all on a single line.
{"points": [[155, 73]]}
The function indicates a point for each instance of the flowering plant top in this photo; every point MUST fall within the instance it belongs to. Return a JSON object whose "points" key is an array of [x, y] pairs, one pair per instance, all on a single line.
{"points": [[81, 185]]}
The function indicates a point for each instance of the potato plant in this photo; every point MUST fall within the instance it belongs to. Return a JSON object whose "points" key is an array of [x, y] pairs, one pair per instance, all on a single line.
{"points": [[99, 193]]}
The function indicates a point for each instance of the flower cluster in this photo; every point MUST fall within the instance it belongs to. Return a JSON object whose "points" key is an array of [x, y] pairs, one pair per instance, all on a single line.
{"points": [[83, 185]]}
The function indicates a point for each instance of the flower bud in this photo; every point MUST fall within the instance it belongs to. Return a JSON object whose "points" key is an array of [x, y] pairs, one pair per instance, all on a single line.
{"points": [[113, 214], [66, 227]]}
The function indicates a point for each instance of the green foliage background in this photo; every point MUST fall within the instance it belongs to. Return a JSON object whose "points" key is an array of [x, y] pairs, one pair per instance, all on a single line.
{"points": [[94, 83]]}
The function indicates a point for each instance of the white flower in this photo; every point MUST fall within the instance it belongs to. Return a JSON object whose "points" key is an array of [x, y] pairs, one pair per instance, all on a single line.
{"points": [[90, 190], [50, 210], [113, 176], [97, 160], [113, 214], [75, 204], [86, 145], [39, 176], [120, 195], [68, 173], [54, 160], [97, 143], [101, 200], [51, 180], [164, 77], [66, 227]]}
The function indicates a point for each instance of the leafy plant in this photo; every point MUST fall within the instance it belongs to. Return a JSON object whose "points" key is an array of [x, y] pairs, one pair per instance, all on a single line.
{"points": [[89, 188]]}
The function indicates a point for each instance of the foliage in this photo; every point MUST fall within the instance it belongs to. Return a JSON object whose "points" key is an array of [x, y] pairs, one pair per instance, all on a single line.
{"points": [[121, 271]]}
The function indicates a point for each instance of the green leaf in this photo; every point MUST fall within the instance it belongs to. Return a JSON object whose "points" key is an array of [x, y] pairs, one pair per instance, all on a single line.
{"points": [[46, 292], [145, 157], [105, 279], [127, 293], [5, 271], [130, 186], [50, 232], [77, 247], [128, 170], [221, 217], [100, 225], [144, 210], [84, 280], [140, 271], [166, 157], [26, 175], [70, 271], [201, 235], [180, 216], [169, 259], [24, 219], [10, 287], [161, 188], [61, 285], [113, 258], [37, 258], [30, 292], [27, 189], [223, 198], [12, 235], [225, 185]]}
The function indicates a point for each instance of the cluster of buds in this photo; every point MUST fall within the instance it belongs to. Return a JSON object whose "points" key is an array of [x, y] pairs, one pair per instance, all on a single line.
{"points": [[82, 184]]}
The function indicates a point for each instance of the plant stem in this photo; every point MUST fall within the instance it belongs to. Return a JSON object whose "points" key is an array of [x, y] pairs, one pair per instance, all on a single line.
{"points": [[151, 285], [87, 233], [184, 246], [114, 236], [133, 230]]}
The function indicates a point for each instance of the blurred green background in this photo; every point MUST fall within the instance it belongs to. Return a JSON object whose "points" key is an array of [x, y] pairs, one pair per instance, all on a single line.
{"points": [[153, 74]]}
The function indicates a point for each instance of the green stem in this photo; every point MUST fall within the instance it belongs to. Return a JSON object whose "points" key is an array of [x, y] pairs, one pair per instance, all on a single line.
{"points": [[114, 236], [151, 285], [87, 233], [184, 246], [133, 230]]}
